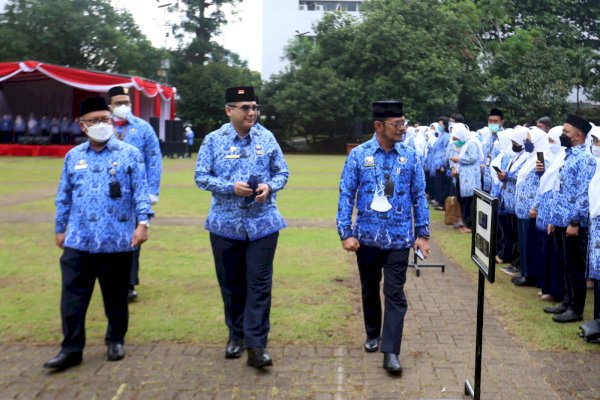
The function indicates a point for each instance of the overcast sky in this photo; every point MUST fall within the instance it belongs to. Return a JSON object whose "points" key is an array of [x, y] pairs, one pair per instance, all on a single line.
{"points": [[242, 35]]}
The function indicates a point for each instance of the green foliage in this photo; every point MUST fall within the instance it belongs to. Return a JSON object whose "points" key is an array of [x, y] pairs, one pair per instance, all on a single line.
{"points": [[203, 19], [530, 78], [78, 33]]}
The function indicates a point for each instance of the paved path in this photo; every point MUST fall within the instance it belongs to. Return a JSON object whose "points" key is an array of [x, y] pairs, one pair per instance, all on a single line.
{"points": [[437, 356]]}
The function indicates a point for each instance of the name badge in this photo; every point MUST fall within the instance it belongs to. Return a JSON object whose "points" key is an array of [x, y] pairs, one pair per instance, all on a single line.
{"points": [[80, 165], [369, 161], [259, 152], [232, 156]]}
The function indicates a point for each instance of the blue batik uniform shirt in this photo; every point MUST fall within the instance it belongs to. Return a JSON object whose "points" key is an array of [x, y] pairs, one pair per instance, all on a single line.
{"points": [[366, 167], [439, 151], [569, 200], [92, 220], [225, 158], [490, 152], [140, 134]]}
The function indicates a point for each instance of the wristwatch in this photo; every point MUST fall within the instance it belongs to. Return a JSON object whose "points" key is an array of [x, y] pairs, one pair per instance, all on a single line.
{"points": [[574, 223], [423, 237], [146, 223]]}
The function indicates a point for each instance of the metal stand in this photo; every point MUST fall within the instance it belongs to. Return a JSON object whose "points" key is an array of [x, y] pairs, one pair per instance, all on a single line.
{"points": [[474, 392], [418, 266]]}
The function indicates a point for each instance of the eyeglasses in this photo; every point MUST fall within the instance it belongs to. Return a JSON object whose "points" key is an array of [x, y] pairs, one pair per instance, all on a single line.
{"points": [[397, 124], [245, 108], [96, 121]]}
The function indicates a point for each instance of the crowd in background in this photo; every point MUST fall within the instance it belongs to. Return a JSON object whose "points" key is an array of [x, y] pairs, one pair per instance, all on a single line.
{"points": [[546, 180], [44, 130]]}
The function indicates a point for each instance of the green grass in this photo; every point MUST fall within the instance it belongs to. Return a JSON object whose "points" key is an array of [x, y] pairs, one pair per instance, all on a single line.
{"points": [[314, 288], [520, 307]]}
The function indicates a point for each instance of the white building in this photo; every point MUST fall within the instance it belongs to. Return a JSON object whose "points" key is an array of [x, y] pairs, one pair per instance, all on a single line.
{"points": [[284, 19]]}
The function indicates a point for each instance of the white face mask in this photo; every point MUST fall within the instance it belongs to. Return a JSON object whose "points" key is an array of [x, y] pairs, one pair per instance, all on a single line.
{"points": [[122, 111], [596, 151], [100, 133], [555, 147], [380, 202]]}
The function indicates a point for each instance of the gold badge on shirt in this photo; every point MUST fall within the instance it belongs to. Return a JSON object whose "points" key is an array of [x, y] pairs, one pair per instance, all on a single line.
{"points": [[402, 160], [369, 161]]}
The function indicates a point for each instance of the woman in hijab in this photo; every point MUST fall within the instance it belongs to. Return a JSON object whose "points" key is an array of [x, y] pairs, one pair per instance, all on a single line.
{"points": [[593, 271], [468, 169], [536, 146], [551, 274]]}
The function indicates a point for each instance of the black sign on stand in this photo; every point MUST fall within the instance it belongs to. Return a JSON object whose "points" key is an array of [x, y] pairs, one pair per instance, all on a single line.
{"points": [[483, 253]]}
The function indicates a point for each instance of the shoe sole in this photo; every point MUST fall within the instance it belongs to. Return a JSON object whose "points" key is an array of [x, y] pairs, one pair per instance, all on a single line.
{"points": [[118, 358], [371, 350], [260, 366], [232, 356], [567, 321]]}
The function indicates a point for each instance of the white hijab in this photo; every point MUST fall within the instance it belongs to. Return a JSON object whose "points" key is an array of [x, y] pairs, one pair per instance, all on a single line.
{"points": [[594, 189], [550, 180], [420, 141], [540, 144], [518, 136], [461, 131], [503, 145]]}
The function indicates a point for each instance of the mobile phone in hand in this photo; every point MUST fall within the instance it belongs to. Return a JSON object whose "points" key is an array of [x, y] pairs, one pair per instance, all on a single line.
{"points": [[540, 156], [498, 170], [419, 254]]}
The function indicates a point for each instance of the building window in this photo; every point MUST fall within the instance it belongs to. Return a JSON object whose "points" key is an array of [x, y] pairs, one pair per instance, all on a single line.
{"points": [[350, 6]]}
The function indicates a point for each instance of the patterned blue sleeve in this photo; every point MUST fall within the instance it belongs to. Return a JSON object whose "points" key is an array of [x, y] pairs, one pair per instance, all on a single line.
{"points": [[585, 173], [278, 168], [205, 176], [348, 187], [63, 200], [139, 185], [419, 201], [153, 158], [471, 156]]}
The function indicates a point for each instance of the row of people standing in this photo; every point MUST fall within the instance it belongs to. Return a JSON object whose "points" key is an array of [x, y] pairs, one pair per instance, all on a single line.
{"points": [[59, 130], [547, 202]]}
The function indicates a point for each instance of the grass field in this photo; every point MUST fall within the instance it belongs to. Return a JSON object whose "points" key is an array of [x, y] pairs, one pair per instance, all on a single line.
{"points": [[315, 293]]}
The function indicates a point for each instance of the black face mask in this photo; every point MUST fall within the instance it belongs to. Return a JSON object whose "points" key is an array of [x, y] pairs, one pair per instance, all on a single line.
{"points": [[565, 141], [517, 148]]}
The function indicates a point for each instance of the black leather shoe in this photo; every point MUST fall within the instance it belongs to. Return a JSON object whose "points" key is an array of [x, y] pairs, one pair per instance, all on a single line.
{"points": [[115, 351], [391, 363], [258, 358], [371, 345], [567, 316], [132, 295], [555, 310], [64, 360], [234, 348]]}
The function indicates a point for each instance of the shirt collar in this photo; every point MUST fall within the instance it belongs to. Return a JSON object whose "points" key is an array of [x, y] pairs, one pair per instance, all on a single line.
{"points": [[372, 146], [234, 136], [112, 145]]}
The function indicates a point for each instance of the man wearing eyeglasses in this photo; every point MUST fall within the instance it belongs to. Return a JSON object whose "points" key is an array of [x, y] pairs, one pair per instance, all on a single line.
{"points": [[138, 133], [102, 212], [244, 168], [384, 180]]}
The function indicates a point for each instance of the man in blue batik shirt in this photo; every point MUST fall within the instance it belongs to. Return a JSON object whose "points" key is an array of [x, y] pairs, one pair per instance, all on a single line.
{"points": [[490, 152], [138, 133], [244, 168], [569, 217], [102, 214], [384, 180]]}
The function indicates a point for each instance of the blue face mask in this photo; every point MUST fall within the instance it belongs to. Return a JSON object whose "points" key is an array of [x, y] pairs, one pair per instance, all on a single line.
{"points": [[459, 143], [494, 127], [440, 129], [528, 145]]}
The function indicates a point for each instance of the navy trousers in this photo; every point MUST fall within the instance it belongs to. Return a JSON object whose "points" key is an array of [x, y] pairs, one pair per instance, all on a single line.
{"points": [[245, 273], [508, 238], [79, 272], [551, 272], [372, 262], [442, 187], [572, 254]]}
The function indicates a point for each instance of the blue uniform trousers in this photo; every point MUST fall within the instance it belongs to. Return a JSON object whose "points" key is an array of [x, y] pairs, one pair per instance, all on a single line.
{"points": [[79, 272], [551, 273], [572, 254], [372, 262], [245, 273]]}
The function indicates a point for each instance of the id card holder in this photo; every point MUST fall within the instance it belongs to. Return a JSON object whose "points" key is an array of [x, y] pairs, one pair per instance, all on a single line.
{"points": [[488, 161], [114, 189]]}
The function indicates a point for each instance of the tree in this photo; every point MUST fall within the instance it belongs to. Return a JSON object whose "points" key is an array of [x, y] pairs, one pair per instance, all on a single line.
{"points": [[78, 33], [203, 19], [529, 78], [202, 91]]}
